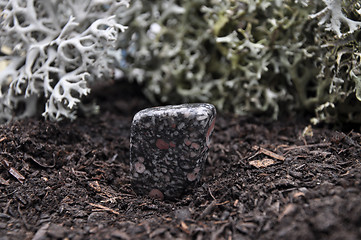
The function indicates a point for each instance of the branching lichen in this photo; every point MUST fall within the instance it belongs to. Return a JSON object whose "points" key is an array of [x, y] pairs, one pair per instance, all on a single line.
{"points": [[333, 14], [248, 56], [243, 56], [339, 62], [58, 49], [236, 54]]}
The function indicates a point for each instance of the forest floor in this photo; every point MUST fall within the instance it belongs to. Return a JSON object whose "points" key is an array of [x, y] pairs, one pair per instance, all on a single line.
{"points": [[263, 180]]}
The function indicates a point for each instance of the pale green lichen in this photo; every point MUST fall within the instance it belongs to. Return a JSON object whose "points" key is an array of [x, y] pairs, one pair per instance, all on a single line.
{"points": [[339, 60], [332, 17], [56, 50], [249, 56], [246, 57]]}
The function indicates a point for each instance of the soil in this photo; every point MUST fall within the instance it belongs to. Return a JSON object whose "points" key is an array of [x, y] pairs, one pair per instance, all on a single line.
{"points": [[263, 180]]}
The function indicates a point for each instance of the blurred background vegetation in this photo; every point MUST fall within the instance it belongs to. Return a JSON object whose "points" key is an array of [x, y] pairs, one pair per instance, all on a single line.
{"points": [[248, 57], [245, 57]]}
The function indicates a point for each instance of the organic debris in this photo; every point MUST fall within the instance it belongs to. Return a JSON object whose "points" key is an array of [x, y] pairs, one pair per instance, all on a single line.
{"points": [[313, 191]]}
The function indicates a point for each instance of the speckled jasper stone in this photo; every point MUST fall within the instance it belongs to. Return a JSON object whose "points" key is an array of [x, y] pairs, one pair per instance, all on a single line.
{"points": [[168, 148]]}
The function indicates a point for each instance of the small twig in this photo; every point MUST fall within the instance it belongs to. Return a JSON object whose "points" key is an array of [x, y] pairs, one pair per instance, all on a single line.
{"points": [[6, 208], [269, 153], [110, 199], [240, 157], [222, 203], [210, 192], [101, 207], [208, 210], [254, 155]]}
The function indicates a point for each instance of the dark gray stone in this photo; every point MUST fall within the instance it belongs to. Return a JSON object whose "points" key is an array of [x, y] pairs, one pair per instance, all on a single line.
{"points": [[169, 147]]}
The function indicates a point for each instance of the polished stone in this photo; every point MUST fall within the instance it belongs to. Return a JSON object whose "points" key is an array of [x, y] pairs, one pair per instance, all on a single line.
{"points": [[169, 147]]}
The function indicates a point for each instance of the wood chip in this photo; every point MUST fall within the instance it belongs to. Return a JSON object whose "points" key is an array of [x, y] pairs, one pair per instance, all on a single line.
{"points": [[208, 210], [16, 174]]}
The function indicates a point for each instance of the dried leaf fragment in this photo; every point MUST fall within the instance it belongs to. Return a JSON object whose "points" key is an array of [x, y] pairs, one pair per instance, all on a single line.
{"points": [[262, 163], [184, 227]]}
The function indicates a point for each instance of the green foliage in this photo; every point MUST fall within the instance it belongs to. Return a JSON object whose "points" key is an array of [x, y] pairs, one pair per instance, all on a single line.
{"points": [[249, 56]]}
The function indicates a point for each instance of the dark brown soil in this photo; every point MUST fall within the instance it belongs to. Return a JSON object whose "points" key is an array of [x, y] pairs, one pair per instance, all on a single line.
{"points": [[70, 180]]}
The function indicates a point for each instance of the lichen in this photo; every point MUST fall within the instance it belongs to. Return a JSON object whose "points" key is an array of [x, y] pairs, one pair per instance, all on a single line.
{"points": [[332, 17], [216, 51], [248, 56], [245, 57], [58, 50], [339, 63]]}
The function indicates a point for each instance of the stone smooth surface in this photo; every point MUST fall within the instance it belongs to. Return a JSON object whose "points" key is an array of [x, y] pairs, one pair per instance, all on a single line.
{"points": [[169, 147]]}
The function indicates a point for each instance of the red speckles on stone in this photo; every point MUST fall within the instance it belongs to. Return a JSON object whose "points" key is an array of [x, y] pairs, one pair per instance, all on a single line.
{"points": [[161, 144], [170, 145], [187, 142], [191, 177], [139, 167], [195, 146], [155, 193]]}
